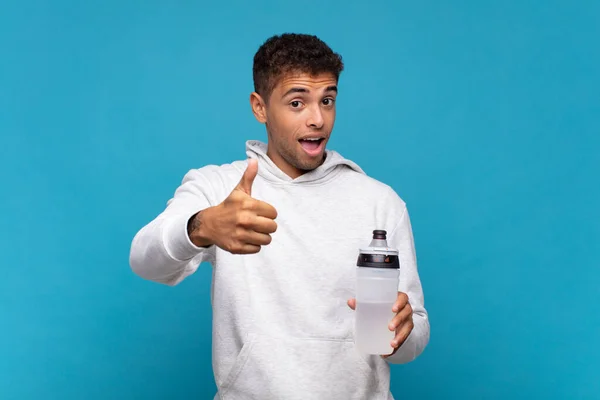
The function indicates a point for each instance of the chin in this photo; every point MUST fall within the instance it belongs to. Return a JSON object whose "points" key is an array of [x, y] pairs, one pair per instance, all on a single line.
{"points": [[310, 165]]}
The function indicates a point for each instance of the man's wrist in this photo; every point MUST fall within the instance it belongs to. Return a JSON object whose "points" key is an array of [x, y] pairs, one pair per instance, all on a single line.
{"points": [[196, 229]]}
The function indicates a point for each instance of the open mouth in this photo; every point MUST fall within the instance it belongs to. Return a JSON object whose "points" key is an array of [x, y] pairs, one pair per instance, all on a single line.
{"points": [[312, 145]]}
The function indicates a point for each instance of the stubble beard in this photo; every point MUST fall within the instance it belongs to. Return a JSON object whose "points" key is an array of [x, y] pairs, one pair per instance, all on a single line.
{"points": [[291, 156]]}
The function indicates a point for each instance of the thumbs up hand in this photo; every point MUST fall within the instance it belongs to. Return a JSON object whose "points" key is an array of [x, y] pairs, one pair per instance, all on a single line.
{"points": [[240, 224]]}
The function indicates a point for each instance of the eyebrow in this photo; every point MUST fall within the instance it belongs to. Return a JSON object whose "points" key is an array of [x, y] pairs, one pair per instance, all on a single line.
{"points": [[302, 90]]}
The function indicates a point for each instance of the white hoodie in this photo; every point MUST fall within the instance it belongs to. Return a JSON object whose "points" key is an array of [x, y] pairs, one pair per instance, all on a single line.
{"points": [[281, 326]]}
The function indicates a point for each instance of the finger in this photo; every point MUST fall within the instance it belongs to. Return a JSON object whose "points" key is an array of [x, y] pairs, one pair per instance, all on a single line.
{"points": [[247, 180], [263, 209], [352, 304], [401, 301], [402, 334], [245, 249], [257, 238], [263, 225], [402, 316]]}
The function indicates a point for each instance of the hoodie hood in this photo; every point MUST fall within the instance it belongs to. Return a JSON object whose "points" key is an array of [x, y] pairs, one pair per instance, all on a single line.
{"points": [[333, 164]]}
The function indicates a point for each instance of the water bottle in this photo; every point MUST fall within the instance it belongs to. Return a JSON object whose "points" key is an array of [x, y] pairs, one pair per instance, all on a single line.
{"points": [[377, 274]]}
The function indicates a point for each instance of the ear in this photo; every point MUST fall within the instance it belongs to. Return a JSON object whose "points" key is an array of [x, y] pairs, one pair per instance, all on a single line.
{"points": [[259, 108]]}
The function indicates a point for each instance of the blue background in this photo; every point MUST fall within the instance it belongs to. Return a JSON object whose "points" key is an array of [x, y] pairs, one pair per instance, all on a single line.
{"points": [[482, 115]]}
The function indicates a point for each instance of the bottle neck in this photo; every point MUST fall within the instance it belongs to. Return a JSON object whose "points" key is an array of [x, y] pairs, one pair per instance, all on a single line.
{"points": [[378, 243]]}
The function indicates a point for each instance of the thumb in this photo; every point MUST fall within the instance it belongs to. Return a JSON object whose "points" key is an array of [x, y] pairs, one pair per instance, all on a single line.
{"points": [[248, 178]]}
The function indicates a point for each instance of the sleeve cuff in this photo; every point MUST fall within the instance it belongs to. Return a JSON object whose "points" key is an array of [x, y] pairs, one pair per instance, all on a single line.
{"points": [[177, 242]]}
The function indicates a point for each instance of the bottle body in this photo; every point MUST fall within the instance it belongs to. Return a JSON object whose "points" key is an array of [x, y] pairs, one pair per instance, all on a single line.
{"points": [[376, 293]]}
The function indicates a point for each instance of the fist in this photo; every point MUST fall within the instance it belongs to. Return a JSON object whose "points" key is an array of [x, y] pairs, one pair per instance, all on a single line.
{"points": [[240, 224]]}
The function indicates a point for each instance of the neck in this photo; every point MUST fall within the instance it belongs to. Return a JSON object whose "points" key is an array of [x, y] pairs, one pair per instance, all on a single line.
{"points": [[282, 164]]}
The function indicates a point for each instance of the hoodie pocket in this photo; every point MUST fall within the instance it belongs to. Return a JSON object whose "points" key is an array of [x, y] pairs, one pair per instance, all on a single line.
{"points": [[238, 365], [298, 368]]}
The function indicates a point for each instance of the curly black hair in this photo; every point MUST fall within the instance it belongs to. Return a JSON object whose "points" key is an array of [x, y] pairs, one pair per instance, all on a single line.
{"points": [[292, 52]]}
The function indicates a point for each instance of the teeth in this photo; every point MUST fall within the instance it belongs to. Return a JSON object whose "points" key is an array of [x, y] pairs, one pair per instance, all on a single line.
{"points": [[313, 139]]}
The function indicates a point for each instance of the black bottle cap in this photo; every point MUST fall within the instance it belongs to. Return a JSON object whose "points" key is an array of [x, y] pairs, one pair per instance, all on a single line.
{"points": [[379, 234]]}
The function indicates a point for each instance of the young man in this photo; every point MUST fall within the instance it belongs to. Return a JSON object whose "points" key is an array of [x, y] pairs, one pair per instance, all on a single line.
{"points": [[282, 231]]}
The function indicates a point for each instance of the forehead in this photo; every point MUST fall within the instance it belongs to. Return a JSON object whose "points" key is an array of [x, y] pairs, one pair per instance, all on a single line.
{"points": [[310, 83]]}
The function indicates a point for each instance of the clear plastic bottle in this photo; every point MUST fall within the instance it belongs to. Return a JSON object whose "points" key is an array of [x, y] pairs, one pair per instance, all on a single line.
{"points": [[377, 275]]}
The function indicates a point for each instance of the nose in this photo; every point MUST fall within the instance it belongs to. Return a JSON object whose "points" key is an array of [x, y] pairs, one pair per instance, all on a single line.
{"points": [[315, 118]]}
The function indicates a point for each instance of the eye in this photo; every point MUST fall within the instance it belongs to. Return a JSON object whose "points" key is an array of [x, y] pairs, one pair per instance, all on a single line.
{"points": [[328, 101], [295, 104]]}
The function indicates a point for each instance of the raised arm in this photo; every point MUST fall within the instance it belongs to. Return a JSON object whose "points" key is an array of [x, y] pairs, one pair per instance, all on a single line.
{"points": [[188, 231], [162, 251]]}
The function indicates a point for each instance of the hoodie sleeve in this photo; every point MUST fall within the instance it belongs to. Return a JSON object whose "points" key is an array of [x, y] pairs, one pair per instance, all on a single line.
{"points": [[410, 283], [162, 251]]}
